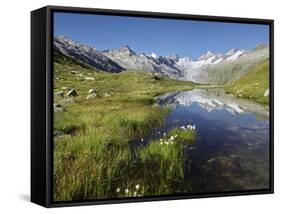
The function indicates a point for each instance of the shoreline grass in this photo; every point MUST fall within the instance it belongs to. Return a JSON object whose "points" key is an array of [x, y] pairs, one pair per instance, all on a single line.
{"points": [[92, 156], [163, 162]]}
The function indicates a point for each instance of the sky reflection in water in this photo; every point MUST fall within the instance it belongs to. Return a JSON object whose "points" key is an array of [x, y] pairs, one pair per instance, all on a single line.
{"points": [[232, 149]]}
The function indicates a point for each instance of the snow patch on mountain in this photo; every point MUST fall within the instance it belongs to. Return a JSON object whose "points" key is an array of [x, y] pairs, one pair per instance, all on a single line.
{"points": [[173, 66], [154, 55], [233, 54]]}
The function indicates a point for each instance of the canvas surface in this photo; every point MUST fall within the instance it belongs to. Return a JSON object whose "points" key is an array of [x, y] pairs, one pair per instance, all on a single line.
{"points": [[157, 107]]}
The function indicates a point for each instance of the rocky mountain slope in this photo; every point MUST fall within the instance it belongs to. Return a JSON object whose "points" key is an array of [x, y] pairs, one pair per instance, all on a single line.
{"points": [[213, 68], [132, 61], [86, 54]]}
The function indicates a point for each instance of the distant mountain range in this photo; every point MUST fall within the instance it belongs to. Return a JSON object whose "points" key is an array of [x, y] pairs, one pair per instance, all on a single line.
{"points": [[214, 68]]}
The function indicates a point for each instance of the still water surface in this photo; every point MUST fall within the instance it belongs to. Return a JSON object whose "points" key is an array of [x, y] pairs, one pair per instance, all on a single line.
{"points": [[232, 147]]}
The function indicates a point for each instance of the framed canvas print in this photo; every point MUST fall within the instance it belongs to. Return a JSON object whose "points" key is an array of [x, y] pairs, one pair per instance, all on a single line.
{"points": [[138, 106]]}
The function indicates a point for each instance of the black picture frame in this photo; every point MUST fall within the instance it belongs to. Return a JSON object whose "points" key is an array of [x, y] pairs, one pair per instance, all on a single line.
{"points": [[42, 103]]}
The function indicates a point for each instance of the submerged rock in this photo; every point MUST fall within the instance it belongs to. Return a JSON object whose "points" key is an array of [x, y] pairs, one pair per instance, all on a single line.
{"points": [[211, 160], [230, 164], [233, 156]]}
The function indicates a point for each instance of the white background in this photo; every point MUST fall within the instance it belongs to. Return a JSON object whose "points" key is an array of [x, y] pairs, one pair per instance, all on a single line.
{"points": [[15, 107]]}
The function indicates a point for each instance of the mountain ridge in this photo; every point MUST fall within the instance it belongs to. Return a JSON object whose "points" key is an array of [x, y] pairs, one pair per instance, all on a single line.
{"points": [[203, 70], [85, 53]]}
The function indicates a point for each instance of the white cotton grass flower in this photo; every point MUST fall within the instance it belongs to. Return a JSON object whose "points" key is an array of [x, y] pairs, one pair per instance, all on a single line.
{"points": [[164, 134], [135, 194], [137, 186], [127, 191], [188, 127], [118, 190], [191, 127], [142, 140]]}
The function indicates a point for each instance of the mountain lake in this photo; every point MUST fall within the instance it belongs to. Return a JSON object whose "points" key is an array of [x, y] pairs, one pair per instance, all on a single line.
{"points": [[231, 152]]}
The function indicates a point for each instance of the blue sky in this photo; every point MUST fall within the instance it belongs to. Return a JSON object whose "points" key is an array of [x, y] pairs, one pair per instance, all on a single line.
{"points": [[161, 36]]}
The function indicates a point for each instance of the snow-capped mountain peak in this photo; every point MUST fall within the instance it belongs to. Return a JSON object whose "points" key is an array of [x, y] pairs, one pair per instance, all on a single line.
{"points": [[153, 55], [234, 54], [206, 56], [231, 51], [173, 66], [174, 57], [184, 62]]}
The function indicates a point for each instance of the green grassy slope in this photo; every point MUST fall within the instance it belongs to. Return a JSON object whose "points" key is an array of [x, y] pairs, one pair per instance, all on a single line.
{"points": [[253, 84], [92, 153], [228, 71]]}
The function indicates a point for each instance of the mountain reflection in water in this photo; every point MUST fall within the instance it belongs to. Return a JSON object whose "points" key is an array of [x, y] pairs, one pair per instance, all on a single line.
{"points": [[232, 148]]}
